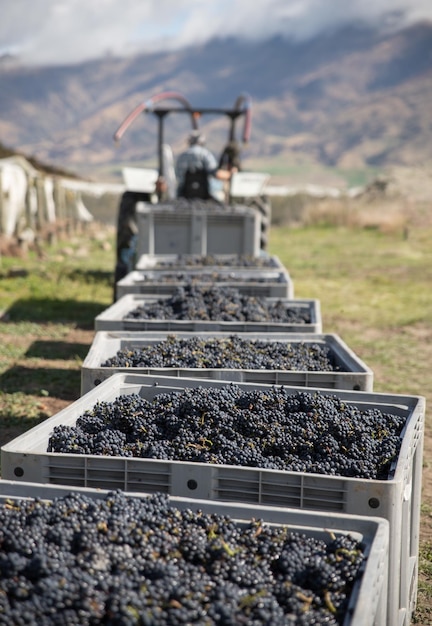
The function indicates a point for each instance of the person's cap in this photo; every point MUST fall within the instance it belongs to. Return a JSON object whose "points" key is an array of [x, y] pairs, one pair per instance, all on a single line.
{"points": [[196, 137]]}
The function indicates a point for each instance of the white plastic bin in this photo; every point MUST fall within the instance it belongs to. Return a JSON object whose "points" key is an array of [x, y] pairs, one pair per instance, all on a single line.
{"points": [[262, 261], [351, 372], [263, 283], [197, 228], [113, 318], [368, 601]]}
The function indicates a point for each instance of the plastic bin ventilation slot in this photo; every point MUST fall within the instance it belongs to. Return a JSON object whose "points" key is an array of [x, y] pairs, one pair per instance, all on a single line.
{"points": [[350, 372], [396, 499], [368, 600]]}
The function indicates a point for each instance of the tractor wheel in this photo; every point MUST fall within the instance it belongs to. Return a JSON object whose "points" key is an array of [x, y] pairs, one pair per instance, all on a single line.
{"points": [[127, 232], [263, 205]]}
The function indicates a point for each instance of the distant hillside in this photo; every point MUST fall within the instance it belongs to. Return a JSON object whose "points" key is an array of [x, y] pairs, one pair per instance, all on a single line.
{"points": [[351, 100]]}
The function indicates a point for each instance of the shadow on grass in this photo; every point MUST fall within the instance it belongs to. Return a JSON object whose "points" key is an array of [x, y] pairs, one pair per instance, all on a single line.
{"points": [[82, 314], [90, 277], [61, 350], [58, 383]]}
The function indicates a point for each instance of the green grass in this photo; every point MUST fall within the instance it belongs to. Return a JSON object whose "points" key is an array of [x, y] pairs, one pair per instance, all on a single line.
{"points": [[374, 291], [45, 298], [423, 615], [45, 287]]}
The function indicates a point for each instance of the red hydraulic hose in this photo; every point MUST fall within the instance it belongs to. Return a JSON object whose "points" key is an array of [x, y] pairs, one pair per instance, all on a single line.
{"points": [[128, 120], [148, 106]]}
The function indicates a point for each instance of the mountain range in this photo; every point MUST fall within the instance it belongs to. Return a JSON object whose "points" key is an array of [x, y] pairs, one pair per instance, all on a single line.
{"points": [[354, 100]]}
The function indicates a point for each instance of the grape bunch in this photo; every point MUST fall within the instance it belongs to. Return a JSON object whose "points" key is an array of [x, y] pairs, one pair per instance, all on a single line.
{"points": [[241, 260], [124, 561], [232, 352], [272, 429], [219, 303]]}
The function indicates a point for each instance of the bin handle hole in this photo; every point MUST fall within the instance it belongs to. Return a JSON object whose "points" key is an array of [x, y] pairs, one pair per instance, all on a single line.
{"points": [[374, 503], [192, 484], [19, 472]]}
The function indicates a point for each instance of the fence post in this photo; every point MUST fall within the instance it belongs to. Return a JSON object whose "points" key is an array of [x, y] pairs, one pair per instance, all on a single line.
{"points": [[40, 192], [60, 204], [30, 202]]}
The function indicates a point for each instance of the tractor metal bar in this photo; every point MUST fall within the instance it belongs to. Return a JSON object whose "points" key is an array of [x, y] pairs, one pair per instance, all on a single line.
{"points": [[229, 112]]}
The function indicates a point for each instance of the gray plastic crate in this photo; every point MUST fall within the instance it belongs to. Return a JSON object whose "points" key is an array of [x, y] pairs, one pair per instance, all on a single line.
{"points": [[215, 262], [112, 318], [396, 500], [263, 283], [368, 602], [352, 374], [189, 229]]}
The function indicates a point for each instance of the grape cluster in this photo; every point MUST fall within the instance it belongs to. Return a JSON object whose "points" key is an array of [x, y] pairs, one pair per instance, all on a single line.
{"points": [[219, 303], [232, 352], [123, 561], [196, 260], [301, 432]]}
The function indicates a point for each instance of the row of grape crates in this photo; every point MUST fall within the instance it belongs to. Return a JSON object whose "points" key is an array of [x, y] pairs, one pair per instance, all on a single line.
{"points": [[267, 281], [395, 502]]}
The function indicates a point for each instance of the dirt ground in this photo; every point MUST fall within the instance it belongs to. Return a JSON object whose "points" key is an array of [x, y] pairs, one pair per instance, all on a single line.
{"points": [[50, 405]]}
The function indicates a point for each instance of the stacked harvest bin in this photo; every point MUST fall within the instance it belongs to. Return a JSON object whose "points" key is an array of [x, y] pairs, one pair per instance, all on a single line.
{"points": [[197, 227], [210, 252]]}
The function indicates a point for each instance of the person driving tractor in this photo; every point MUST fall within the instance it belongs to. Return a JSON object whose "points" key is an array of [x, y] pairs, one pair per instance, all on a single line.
{"points": [[194, 167]]}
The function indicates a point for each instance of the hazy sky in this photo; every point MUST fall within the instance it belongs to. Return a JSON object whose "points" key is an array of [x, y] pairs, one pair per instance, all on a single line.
{"points": [[69, 31]]}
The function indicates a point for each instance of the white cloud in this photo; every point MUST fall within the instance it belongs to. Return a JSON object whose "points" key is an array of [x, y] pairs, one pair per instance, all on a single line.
{"points": [[68, 31]]}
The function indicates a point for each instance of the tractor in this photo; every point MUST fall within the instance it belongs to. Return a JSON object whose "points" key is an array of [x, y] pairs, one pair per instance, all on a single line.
{"points": [[159, 185]]}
